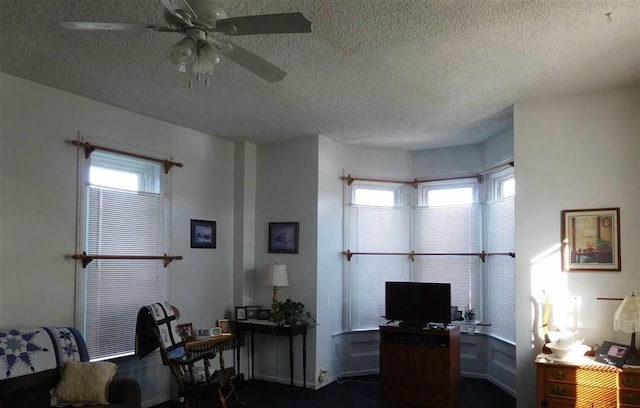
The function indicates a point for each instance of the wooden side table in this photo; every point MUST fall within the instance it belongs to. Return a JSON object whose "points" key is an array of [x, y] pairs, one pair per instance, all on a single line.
{"points": [[265, 327], [216, 344]]}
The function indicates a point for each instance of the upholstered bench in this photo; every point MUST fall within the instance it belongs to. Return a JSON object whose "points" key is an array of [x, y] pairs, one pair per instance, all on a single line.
{"points": [[38, 363]]}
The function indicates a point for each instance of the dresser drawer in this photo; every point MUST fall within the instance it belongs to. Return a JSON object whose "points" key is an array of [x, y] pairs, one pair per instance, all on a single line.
{"points": [[583, 392], [630, 397], [565, 403], [630, 381], [571, 375]]}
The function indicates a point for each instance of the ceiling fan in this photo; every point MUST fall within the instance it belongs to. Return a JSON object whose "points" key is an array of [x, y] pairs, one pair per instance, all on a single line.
{"points": [[203, 22]]}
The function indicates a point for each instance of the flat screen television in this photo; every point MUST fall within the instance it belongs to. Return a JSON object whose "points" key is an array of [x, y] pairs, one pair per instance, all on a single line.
{"points": [[418, 303]]}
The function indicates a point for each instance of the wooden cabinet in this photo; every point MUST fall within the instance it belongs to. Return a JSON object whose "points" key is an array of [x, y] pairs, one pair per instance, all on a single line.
{"points": [[589, 385], [420, 366]]}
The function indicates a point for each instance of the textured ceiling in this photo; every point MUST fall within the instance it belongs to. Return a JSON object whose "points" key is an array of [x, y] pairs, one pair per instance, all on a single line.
{"points": [[404, 74]]}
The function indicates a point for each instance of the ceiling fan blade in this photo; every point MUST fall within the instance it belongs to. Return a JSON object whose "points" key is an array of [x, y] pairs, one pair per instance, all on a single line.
{"points": [[180, 9], [250, 61], [264, 24], [88, 25]]}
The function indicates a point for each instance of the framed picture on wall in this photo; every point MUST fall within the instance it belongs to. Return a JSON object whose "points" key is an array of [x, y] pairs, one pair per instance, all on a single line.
{"points": [[283, 237], [203, 234], [591, 240]]}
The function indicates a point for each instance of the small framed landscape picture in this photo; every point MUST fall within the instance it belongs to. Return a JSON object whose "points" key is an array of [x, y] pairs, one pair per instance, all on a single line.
{"points": [[204, 333], [283, 237], [203, 234], [241, 313], [264, 314], [252, 312], [612, 353]]}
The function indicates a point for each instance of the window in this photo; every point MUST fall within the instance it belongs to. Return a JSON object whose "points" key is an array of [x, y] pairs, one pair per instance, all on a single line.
{"points": [[378, 222], [446, 217], [448, 220], [125, 212], [500, 270]]}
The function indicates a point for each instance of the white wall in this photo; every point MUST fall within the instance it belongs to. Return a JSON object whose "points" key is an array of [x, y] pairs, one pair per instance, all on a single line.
{"points": [[38, 187], [244, 223], [448, 162], [573, 153], [287, 191], [330, 246]]}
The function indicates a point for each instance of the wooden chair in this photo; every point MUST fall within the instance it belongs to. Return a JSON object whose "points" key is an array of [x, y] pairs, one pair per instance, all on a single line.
{"points": [[197, 382]]}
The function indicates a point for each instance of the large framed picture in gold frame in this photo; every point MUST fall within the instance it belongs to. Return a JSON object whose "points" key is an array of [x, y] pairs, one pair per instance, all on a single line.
{"points": [[591, 240]]}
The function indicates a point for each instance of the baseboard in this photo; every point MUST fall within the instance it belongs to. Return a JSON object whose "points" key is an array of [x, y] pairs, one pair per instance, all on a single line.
{"points": [[356, 373], [502, 386]]}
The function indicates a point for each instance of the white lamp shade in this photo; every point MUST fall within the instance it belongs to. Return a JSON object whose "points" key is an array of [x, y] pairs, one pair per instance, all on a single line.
{"points": [[627, 317], [277, 275]]}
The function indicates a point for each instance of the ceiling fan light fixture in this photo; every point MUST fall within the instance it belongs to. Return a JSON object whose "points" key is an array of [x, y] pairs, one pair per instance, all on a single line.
{"points": [[183, 53], [208, 58]]}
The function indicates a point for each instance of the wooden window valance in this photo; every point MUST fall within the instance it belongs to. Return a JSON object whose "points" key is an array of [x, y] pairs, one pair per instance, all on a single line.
{"points": [[89, 148]]}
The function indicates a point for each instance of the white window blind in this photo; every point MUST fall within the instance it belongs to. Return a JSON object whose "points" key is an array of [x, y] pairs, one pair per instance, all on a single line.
{"points": [[121, 222], [384, 228], [501, 279], [450, 229]]}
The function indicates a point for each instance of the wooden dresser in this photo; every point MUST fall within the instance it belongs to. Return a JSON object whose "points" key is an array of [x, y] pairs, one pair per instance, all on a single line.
{"points": [[420, 366], [586, 385]]}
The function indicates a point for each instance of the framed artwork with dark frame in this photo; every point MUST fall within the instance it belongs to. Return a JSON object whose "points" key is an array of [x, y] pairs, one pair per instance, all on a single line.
{"points": [[203, 234], [612, 353], [186, 331], [283, 237], [241, 313], [264, 314], [252, 312], [591, 240]]}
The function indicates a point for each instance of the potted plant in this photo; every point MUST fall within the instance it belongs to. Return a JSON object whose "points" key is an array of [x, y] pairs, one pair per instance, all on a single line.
{"points": [[469, 313], [290, 313]]}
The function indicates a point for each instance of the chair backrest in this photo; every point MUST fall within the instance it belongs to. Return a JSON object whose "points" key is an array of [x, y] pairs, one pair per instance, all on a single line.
{"points": [[157, 327]]}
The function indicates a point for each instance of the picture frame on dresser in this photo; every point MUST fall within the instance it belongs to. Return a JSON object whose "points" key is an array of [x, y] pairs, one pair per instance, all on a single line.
{"points": [[612, 353]]}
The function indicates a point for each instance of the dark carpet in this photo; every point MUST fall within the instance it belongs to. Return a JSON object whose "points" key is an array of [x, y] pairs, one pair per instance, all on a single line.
{"points": [[355, 392]]}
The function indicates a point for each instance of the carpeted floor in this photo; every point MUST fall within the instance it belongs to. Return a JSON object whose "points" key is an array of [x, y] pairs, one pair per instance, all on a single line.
{"points": [[355, 392]]}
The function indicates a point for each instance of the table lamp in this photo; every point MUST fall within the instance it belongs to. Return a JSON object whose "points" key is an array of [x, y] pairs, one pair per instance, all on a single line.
{"points": [[627, 319], [277, 276]]}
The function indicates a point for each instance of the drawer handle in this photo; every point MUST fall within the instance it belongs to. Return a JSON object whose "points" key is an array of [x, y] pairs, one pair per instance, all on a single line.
{"points": [[630, 398], [557, 390], [558, 375], [630, 381]]}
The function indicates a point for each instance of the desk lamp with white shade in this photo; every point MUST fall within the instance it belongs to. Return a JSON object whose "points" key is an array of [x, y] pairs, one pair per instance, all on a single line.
{"points": [[277, 276], [627, 319]]}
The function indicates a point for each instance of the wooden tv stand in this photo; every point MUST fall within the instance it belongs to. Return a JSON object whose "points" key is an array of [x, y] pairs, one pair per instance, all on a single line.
{"points": [[420, 366]]}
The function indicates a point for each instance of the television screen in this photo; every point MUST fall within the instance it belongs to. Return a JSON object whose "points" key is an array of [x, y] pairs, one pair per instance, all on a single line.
{"points": [[418, 302]]}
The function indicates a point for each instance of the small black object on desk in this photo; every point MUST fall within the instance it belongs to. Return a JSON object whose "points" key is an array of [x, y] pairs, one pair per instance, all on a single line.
{"points": [[270, 328]]}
